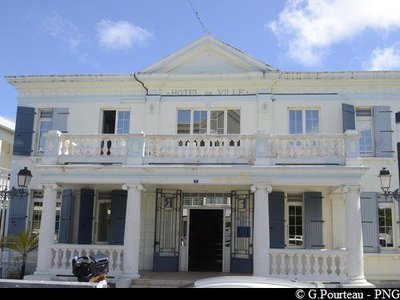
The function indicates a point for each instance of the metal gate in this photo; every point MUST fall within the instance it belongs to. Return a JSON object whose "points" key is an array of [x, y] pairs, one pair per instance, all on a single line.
{"points": [[167, 231], [242, 231]]}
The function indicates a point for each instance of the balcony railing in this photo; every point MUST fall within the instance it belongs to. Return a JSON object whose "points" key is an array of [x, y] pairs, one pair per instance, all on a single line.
{"points": [[301, 264], [260, 149], [61, 262]]}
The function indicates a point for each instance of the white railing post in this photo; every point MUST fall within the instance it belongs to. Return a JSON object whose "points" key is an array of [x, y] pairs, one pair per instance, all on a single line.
{"points": [[52, 147], [135, 149], [352, 148], [262, 148]]}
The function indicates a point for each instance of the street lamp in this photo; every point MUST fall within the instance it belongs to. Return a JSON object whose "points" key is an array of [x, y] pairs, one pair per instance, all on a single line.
{"points": [[385, 177], [24, 177]]}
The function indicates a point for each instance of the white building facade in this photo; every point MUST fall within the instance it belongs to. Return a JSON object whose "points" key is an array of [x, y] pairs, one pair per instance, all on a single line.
{"points": [[210, 160]]}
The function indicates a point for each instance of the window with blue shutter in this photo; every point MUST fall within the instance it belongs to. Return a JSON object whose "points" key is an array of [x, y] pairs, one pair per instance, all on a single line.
{"points": [[118, 213], [369, 221], [66, 216], [17, 214], [24, 131], [313, 222], [383, 131], [85, 216], [277, 220], [348, 118]]}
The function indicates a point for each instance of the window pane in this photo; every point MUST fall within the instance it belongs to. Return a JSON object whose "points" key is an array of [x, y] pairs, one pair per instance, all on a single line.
{"points": [[200, 122], [295, 122], [36, 216], [363, 112], [385, 227], [364, 127], [123, 122], [312, 123], [184, 121], [45, 126], [109, 121], [233, 121], [217, 122]]}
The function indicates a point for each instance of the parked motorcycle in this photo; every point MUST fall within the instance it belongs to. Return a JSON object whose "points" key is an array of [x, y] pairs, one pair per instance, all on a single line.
{"points": [[91, 269]]}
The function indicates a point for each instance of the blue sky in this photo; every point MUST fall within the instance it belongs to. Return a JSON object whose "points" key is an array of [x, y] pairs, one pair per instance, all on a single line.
{"points": [[124, 36]]}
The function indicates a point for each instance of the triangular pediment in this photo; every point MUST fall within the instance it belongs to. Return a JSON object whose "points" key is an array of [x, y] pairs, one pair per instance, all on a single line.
{"points": [[208, 55]]}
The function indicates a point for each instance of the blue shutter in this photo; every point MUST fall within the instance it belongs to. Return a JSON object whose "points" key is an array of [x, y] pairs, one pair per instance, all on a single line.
{"points": [[24, 131], [86, 216], [118, 213], [348, 117], [277, 220], [60, 119], [313, 220], [369, 220], [18, 214], [383, 131], [66, 216]]}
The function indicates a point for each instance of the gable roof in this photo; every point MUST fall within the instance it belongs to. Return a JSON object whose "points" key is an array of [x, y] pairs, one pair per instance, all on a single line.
{"points": [[208, 55]]}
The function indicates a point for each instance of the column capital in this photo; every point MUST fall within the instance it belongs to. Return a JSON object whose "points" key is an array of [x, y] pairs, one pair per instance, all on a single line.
{"points": [[351, 188], [45, 186], [133, 186], [261, 187]]}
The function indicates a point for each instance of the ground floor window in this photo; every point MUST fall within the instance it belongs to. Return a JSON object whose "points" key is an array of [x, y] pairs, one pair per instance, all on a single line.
{"points": [[295, 237], [36, 212], [386, 225], [103, 220]]}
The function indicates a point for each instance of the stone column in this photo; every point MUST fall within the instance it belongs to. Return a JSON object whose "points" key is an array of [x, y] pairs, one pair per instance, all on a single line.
{"points": [[132, 231], [338, 220], [47, 225], [354, 239], [261, 229]]}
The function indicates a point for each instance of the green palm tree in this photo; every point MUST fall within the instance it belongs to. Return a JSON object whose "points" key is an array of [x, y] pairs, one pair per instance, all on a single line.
{"points": [[23, 243]]}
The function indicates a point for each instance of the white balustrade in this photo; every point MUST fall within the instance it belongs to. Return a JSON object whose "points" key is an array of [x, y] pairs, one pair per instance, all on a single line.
{"points": [[305, 264], [63, 254], [260, 149], [200, 149], [307, 148]]}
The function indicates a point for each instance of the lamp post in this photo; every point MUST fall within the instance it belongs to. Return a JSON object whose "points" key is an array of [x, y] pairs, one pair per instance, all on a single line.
{"points": [[24, 177], [385, 178]]}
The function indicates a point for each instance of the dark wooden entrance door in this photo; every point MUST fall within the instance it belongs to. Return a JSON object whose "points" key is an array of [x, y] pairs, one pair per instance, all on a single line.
{"points": [[205, 240]]}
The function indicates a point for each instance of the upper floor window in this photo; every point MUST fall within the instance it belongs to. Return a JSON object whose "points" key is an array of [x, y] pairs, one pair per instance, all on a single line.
{"points": [[45, 124], [116, 121], [303, 121], [219, 121], [364, 125]]}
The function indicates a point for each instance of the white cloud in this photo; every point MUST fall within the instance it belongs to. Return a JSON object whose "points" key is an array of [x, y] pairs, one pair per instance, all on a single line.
{"points": [[384, 59], [309, 27], [64, 31], [121, 34]]}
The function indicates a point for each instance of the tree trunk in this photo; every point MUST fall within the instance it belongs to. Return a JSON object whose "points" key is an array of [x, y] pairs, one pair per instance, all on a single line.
{"points": [[23, 264]]}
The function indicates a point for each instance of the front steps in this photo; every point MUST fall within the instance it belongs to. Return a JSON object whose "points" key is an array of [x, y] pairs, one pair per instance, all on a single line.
{"points": [[160, 283]]}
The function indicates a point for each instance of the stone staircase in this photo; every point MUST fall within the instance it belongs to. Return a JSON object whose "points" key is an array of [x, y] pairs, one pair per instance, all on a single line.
{"points": [[160, 283]]}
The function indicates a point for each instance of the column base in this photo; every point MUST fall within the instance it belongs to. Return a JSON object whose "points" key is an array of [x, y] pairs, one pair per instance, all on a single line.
{"points": [[125, 281], [358, 283]]}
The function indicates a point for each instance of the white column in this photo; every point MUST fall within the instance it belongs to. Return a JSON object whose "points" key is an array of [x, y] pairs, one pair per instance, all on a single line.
{"points": [[261, 229], [132, 231], [47, 225], [354, 239], [338, 220]]}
